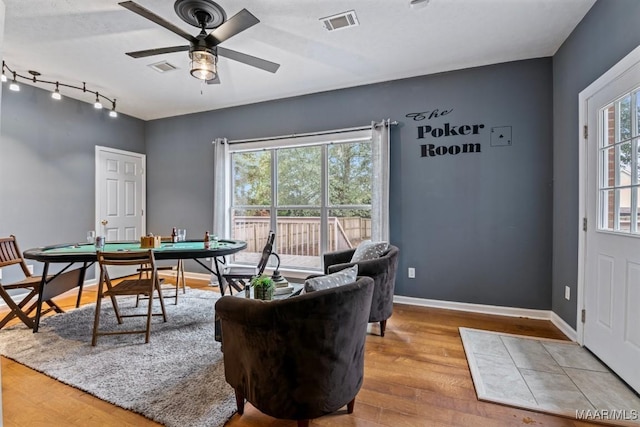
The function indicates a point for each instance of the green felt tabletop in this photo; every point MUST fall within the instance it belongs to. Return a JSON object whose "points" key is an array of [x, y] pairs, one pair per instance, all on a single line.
{"points": [[86, 252], [132, 246]]}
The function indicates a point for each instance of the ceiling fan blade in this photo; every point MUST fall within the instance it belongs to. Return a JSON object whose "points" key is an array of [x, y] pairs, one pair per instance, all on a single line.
{"points": [[232, 26], [158, 51], [215, 81], [146, 13], [263, 64]]}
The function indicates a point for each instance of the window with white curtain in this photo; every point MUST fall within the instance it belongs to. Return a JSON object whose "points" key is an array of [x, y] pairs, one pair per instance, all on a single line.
{"points": [[318, 192]]}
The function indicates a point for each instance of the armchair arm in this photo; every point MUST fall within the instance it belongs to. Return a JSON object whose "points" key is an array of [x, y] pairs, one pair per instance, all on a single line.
{"points": [[370, 268], [338, 257]]}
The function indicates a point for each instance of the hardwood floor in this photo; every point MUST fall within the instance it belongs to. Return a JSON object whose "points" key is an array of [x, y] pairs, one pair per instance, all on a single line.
{"points": [[417, 375]]}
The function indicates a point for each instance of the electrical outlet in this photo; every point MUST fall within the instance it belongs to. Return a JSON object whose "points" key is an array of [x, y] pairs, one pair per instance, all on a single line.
{"points": [[30, 268], [567, 293], [412, 273]]}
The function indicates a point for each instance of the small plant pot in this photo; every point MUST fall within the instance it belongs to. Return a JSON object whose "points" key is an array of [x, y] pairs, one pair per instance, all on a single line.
{"points": [[262, 293]]}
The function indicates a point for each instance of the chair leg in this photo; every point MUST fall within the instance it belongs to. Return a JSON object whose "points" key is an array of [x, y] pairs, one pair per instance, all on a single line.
{"points": [[383, 326], [147, 334], [351, 405], [140, 278], [303, 423], [161, 298], [16, 309], [240, 402], [96, 321]]}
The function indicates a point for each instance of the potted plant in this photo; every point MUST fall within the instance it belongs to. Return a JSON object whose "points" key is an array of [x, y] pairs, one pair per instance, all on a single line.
{"points": [[263, 287]]}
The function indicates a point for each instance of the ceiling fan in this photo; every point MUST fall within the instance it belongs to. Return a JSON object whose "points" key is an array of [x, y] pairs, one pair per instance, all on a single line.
{"points": [[203, 48]]}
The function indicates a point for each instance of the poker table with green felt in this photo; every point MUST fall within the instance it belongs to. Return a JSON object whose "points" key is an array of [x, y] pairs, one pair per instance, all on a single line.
{"points": [[85, 254]]}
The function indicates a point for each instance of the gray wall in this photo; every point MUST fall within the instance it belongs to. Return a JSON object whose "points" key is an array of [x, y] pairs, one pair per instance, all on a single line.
{"points": [[476, 226], [47, 162], [606, 35]]}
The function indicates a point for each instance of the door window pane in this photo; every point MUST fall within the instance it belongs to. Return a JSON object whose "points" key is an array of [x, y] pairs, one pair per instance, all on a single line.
{"points": [[609, 126], [607, 160], [624, 162], [619, 165], [624, 129], [624, 209], [607, 202]]}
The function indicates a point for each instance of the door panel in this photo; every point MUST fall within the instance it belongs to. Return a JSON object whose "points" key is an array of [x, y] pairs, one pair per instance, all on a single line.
{"points": [[632, 322], [605, 288], [120, 195], [612, 240]]}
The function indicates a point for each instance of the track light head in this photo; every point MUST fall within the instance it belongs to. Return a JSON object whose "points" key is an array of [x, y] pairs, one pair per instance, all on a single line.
{"points": [[14, 86], [97, 105], [56, 93], [113, 112]]}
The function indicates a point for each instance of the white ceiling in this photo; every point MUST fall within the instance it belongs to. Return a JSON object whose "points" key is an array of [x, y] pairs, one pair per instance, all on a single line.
{"points": [[77, 41]]}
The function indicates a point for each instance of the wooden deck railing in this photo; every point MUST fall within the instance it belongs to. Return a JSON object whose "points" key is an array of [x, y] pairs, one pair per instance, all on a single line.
{"points": [[301, 235]]}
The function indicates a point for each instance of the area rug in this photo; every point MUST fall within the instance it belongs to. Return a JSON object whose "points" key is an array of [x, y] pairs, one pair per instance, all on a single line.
{"points": [[551, 376], [177, 379]]}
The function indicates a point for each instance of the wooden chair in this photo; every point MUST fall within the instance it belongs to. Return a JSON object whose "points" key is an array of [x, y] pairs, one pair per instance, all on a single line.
{"points": [[180, 279], [239, 277], [141, 286], [10, 255]]}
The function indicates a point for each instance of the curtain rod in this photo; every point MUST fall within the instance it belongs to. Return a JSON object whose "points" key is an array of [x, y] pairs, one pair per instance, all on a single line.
{"points": [[298, 135]]}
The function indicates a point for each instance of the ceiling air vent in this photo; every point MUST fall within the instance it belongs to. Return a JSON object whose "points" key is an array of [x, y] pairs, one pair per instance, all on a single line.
{"points": [[340, 21], [163, 67]]}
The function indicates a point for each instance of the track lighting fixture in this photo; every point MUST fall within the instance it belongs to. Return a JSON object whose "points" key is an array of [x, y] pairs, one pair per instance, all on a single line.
{"points": [[35, 78], [113, 112], [97, 105], [14, 86], [56, 93]]}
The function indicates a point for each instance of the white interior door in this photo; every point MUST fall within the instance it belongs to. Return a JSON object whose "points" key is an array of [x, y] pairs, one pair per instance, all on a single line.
{"points": [[120, 194], [611, 327]]}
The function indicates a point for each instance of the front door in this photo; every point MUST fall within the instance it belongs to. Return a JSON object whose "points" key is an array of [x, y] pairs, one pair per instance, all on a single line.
{"points": [[612, 241], [120, 194]]}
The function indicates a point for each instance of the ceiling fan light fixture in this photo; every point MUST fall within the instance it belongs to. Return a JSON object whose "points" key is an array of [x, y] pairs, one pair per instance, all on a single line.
{"points": [[204, 64]]}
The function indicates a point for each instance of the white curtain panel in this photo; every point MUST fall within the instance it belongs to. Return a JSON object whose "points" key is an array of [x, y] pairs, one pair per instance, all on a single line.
{"points": [[380, 138], [221, 196]]}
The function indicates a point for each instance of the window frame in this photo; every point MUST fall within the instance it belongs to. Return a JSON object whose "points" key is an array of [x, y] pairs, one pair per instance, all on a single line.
{"points": [[273, 145]]}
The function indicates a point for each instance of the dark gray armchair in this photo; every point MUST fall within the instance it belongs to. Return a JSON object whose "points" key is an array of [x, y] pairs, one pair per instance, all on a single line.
{"points": [[382, 270], [297, 358]]}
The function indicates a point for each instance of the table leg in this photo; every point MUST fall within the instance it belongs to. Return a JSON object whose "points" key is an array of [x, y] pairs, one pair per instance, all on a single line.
{"points": [[43, 283]]}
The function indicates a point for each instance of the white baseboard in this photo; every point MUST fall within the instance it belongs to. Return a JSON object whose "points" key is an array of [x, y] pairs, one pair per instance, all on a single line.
{"points": [[564, 327], [476, 308], [494, 310]]}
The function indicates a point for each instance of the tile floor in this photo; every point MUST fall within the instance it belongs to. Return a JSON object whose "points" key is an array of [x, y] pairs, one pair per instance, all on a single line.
{"points": [[547, 375]]}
